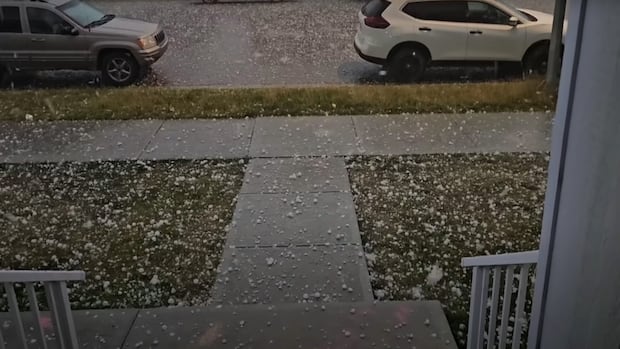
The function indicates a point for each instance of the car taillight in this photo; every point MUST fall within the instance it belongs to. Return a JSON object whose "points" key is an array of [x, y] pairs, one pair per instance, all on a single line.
{"points": [[376, 22]]}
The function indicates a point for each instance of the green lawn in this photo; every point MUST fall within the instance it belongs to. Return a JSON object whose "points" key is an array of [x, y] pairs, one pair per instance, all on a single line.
{"points": [[147, 234], [420, 215]]}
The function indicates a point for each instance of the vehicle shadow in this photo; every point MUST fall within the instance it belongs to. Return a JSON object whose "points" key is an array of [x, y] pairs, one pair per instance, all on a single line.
{"points": [[217, 2], [69, 79], [367, 73]]}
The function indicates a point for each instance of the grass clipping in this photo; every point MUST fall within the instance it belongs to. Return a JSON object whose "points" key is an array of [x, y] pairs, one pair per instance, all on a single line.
{"points": [[146, 234], [142, 102]]}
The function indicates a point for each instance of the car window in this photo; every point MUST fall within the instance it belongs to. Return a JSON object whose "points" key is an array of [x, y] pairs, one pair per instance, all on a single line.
{"points": [[81, 12], [375, 8], [43, 21], [9, 20], [448, 11], [481, 12]]}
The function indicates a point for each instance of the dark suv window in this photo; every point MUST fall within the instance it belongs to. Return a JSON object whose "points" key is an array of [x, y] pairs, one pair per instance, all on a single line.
{"points": [[481, 12], [43, 21], [375, 8], [9, 20], [447, 11]]}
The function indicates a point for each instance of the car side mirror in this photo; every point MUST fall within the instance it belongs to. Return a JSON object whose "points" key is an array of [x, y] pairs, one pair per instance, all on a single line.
{"points": [[69, 30], [513, 21]]}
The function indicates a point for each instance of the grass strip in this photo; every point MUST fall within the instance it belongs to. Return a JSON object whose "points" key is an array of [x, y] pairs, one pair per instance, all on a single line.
{"points": [[165, 103]]}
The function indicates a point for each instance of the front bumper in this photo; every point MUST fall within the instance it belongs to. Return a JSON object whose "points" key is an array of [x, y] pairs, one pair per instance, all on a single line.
{"points": [[150, 56]]}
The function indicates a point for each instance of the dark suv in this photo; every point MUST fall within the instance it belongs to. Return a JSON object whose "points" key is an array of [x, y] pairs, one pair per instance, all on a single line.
{"points": [[70, 34]]}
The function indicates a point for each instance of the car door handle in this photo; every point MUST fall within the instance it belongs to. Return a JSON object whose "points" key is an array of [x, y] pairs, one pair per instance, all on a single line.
{"points": [[37, 40], [475, 32], [425, 29]]}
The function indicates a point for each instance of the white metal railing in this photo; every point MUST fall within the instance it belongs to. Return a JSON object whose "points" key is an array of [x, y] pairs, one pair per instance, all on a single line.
{"points": [[55, 288], [489, 323]]}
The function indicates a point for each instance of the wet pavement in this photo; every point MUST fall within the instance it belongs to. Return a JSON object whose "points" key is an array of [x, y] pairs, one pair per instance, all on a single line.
{"points": [[419, 324], [272, 137], [257, 43]]}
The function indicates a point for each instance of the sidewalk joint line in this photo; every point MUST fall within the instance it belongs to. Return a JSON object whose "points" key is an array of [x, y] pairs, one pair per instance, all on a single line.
{"points": [[150, 140], [281, 246], [295, 192], [133, 323]]}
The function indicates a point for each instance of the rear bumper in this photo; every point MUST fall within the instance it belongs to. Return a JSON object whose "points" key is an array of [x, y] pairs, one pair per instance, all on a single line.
{"points": [[367, 58], [369, 48]]}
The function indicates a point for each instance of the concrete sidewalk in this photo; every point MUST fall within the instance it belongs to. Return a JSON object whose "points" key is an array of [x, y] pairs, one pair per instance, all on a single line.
{"points": [[293, 256], [270, 137]]}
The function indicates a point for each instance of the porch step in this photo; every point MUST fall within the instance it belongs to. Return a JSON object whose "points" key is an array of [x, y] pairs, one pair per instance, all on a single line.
{"points": [[420, 325], [417, 324]]}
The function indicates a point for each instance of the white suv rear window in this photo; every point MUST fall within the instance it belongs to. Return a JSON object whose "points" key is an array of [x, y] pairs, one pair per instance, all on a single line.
{"points": [[375, 8]]}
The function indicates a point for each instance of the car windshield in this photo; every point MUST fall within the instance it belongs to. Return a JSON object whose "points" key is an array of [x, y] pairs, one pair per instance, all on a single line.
{"points": [[509, 5], [81, 12]]}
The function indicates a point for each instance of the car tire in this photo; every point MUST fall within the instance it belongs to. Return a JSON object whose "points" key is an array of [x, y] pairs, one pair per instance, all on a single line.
{"points": [[119, 69], [535, 62], [407, 65], [4, 77]]}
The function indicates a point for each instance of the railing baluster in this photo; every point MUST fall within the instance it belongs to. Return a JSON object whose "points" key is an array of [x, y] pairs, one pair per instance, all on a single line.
{"points": [[497, 279], [506, 306], [474, 309], [2, 346], [14, 310], [57, 295], [484, 299], [516, 333], [53, 307], [34, 308], [63, 308]]}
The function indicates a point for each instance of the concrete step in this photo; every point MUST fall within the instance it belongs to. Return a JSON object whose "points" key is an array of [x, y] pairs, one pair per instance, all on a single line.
{"points": [[418, 324]]}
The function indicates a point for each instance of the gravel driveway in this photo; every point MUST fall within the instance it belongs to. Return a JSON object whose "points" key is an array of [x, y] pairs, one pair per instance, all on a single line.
{"points": [[240, 44]]}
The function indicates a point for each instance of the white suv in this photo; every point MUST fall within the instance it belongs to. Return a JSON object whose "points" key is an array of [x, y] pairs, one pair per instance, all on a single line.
{"points": [[407, 35]]}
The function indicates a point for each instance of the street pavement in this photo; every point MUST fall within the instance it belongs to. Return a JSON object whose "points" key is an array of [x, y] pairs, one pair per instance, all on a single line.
{"points": [[257, 43]]}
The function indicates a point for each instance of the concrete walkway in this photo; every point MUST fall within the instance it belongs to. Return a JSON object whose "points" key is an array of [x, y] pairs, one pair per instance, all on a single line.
{"points": [[294, 242], [294, 236], [272, 137]]}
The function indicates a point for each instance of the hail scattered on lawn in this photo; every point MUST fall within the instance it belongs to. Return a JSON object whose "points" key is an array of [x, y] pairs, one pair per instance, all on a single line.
{"points": [[419, 215], [146, 233]]}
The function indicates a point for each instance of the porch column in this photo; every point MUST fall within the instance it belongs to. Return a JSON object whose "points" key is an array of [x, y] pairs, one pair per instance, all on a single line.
{"points": [[577, 296]]}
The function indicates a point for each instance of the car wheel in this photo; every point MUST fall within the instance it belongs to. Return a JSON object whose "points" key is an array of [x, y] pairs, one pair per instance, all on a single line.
{"points": [[407, 65], [535, 63], [119, 69]]}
